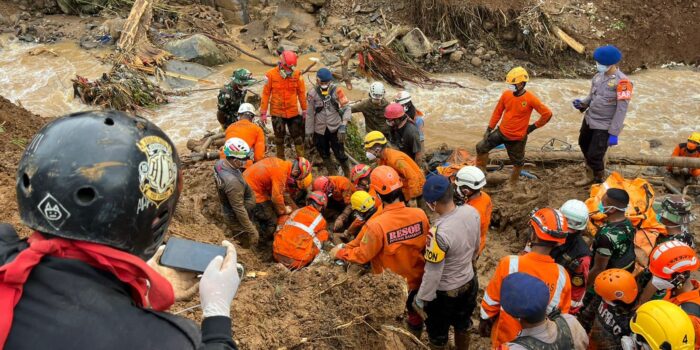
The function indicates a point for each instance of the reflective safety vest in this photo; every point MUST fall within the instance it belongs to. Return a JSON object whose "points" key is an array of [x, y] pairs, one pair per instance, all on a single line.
{"points": [[301, 238], [541, 266]]}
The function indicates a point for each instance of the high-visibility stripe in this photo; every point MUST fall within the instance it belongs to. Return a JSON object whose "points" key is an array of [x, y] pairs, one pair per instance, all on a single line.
{"points": [[484, 315], [490, 301], [561, 281], [308, 229], [512, 264]]}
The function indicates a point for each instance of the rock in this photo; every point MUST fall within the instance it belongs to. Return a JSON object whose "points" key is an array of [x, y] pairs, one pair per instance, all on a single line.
{"points": [[509, 35], [456, 56], [288, 45], [199, 49], [309, 8], [295, 15], [476, 62], [450, 43], [416, 43], [185, 68], [281, 25], [354, 34], [233, 5], [234, 17], [88, 43], [329, 58], [655, 143], [491, 53], [14, 19], [317, 2], [480, 51]]}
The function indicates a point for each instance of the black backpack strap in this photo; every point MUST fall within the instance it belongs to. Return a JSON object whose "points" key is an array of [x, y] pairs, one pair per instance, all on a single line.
{"points": [[691, 308]]}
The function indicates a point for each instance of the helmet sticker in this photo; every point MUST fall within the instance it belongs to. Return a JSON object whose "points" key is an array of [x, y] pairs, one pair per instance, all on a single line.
{"points": [[53, 211], [158, 174]]}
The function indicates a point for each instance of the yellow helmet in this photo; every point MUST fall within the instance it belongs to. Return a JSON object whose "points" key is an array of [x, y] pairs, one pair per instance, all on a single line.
{"points": [[374, 138], [305, 183], [694, 137], [361, 201], [664, 325], [517, 75]]}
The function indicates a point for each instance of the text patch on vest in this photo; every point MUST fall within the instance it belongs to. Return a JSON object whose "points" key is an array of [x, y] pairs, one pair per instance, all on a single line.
{"points": [[404, 233]]}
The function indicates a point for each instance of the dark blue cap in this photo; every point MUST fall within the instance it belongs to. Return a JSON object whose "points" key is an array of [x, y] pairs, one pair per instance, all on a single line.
{"points": [[435, 188], [524, 296], [324, 75], [607, 55]]}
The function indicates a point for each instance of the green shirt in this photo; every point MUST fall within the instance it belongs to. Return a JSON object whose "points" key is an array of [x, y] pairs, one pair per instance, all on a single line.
{"points": [[616, 240]]}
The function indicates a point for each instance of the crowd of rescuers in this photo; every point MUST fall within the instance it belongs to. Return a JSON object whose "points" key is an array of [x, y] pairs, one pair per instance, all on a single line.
{"points": [[93, 259]]}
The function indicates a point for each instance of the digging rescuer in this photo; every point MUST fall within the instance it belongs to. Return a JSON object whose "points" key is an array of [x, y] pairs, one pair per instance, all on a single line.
{"points": [[372, 109], [303, 233], [447, 294], [394, 240], [269, 179], [513, 110], [618, 294], [81, 280], [469, 182], [284, 93], [691, 149], [339, 189], [232, 95], [326, 122], [251, 133], [364, 207], [411, 175], [404, 132], [549, 229], [605, 109], [527, 298], [236, 196]]}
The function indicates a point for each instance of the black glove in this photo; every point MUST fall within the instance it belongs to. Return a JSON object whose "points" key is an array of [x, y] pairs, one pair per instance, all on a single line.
{"points": [[485, 326], [531, 128], [488, 132], [342, 133]]}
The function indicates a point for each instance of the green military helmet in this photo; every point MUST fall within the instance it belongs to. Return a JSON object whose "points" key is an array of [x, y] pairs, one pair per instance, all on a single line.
{"points": [[676, 209], [243, 77]]}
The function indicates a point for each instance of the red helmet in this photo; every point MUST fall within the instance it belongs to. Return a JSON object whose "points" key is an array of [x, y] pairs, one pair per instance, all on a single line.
{"points": [[288, 59], [394, 111], [549, 225], [317, 197], [323, 184], [359, 172]]}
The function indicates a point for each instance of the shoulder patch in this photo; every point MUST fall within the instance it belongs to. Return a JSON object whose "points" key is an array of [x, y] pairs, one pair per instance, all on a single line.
{"points": [[433, 252], [624, 90]]}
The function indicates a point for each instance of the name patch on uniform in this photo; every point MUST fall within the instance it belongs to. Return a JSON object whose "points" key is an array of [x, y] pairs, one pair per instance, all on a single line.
{"points": [[405, 233], [624, 90]]}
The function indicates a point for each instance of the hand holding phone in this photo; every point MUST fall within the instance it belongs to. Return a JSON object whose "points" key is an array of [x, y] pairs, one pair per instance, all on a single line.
{"points": [[184, 282], [220, 283]]}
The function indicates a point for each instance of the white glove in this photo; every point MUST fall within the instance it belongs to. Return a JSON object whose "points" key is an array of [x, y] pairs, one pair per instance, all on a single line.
{"points": [[219, 284], [628, 343]]}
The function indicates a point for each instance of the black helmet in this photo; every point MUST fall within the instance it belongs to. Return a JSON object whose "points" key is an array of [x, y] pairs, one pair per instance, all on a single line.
{"points": [[101, 177]]}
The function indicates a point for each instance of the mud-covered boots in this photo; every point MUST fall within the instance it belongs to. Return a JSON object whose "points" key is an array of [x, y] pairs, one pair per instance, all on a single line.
{"points": [[482, 160], [587, 178], [331, 168], [599, 176], [345, 166], [515, 175]]}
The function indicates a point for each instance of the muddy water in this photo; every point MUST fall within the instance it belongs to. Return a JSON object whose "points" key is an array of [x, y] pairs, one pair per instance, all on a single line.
{"points": [[665, 104]]}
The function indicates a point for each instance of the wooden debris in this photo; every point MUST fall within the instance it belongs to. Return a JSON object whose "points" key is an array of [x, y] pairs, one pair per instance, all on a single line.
{"points": [[559, 157], [237, 47], [406, 333]]}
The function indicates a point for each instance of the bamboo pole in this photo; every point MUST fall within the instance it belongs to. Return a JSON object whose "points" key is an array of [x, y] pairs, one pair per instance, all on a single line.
{"points": [[553, 157]]}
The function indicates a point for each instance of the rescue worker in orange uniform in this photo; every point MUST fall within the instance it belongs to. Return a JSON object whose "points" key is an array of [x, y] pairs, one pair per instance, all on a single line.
{"points": [[513, 110], [672, 264], [468, 184], [691, 149], [247, 131], [359, 176], [303, 234], [269, 179], [363, 209], [338, 189], [394, 240], [411, 175], [285, 94], [618, 290], [549, 229]]}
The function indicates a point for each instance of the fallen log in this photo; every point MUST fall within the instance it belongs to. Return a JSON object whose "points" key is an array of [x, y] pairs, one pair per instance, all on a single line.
{"points": [[238, 47], [574, 157], [209, 140]]}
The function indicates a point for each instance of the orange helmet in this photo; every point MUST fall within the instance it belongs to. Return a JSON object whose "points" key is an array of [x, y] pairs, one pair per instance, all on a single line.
{"points": [[317, 197], [672, 257], [616, 284], [304, 167], [385, 179], [358, 172], [549, 225], [323, 184]]}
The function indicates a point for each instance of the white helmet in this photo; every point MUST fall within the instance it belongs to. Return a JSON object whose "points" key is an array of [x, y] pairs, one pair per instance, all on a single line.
{"points": [[576, 213], [471, 177], [403, 97], [236, 148], [246, 108], [376, 90]]}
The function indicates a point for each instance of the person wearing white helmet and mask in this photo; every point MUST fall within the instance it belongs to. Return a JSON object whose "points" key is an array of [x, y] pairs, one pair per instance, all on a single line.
{"points": [[236, 196], [404, 98], [575, 255], [469, 182], [246, 130], [372, 109]]}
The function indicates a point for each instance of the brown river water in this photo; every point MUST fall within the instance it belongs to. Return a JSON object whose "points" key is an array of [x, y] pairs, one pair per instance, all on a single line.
{"points": [[665, 105]]}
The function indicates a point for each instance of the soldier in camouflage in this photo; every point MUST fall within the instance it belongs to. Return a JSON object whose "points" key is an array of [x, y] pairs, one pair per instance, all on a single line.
{"points": [[232, 95]]}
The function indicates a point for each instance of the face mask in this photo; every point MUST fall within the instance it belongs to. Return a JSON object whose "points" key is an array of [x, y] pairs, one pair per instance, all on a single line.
{"points": [[376, 101], [661, 284], [513, 88], [528, 248], [601, 68], [601, 208], [370, 156]]}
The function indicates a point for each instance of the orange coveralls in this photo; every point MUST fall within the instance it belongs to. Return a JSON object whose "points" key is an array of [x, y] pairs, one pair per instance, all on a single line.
{"points": [[342, 189], [682, 151], [690, 303], [514, 114], [393, 240], [541, 266], [283, 94], [268, 179], [483, 205], [300, 239], [251, 133], [411, 175]]}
